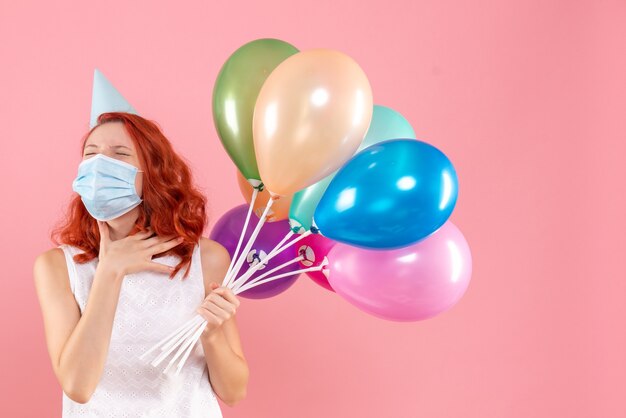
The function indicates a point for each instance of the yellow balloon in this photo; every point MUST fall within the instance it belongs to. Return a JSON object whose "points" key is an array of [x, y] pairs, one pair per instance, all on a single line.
{"points": [[311, 115]]}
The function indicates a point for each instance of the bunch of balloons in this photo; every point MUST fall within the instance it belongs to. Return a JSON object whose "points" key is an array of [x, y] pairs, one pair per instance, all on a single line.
{"points": [[368, 203]]}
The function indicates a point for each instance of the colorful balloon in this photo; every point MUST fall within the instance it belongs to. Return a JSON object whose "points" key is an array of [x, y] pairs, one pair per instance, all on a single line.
{"points": [[304, 203], [389, 195], [310, 117], [407, 284], [234, 95], [386, 124], [315, 248], [227, 232], [279, 209]]}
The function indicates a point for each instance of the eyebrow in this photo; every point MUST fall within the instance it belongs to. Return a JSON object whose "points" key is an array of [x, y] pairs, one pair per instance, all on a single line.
{"points": [[113, 146]]}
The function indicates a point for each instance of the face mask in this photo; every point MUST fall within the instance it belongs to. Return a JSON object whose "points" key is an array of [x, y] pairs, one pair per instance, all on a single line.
{"points": [[107, 187]]}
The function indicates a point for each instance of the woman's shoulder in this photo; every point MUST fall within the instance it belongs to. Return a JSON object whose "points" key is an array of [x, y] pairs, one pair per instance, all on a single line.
{"points": [[213, 251], [215, 261], [50, 266], [52, 257]]}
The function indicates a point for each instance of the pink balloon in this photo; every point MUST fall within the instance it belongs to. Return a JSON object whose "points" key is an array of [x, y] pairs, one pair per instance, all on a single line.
{"points": [[314, 248], [406, 284]]}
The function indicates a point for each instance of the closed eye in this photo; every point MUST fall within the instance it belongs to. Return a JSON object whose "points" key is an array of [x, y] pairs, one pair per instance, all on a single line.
{"points": [[119, 153]]}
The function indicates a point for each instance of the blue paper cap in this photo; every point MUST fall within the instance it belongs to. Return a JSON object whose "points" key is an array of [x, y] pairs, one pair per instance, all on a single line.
{"points": [[106, 98]]}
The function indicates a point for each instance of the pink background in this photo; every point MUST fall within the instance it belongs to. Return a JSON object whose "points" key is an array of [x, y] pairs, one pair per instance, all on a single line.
{"points": [[528, 100]]}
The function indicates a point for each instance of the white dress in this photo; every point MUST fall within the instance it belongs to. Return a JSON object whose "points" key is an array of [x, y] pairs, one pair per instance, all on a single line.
{"points": [[150, 307]]}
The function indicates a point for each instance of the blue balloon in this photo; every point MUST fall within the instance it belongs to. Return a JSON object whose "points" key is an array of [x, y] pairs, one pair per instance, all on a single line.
{"points": [[390, 195]]}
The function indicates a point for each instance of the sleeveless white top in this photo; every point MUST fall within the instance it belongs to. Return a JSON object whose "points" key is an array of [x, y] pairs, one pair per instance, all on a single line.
{"points": [[150, 307]]}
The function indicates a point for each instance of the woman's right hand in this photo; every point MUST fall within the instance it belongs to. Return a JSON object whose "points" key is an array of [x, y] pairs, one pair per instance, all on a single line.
{"points": [[134, 252]]}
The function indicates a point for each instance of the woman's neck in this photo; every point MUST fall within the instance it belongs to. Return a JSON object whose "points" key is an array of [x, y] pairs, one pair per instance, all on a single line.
{"points": [[121, 226]]}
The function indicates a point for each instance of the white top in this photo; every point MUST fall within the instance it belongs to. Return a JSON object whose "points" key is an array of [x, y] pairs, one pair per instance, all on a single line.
{"points": [[150, 307]]}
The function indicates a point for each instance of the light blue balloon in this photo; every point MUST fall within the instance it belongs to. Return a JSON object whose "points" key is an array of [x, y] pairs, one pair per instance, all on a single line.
{"points": [[386, 124], [388, 196], [304, 203]]}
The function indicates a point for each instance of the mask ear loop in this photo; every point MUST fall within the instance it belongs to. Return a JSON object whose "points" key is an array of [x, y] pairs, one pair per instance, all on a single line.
{"points": [[135, 188]]}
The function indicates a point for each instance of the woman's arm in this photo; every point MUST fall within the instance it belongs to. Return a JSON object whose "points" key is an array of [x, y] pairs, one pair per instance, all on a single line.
{"points": [[228, 368], [228, 371], [78, 345]]}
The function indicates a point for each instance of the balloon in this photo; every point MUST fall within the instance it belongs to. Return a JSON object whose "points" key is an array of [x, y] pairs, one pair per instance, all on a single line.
{"points": [[310, 117], [407, 284], [279, 209], [315, 248], [304, 203], [235, 93], [227, 232], [389, 195], [386, 124]]}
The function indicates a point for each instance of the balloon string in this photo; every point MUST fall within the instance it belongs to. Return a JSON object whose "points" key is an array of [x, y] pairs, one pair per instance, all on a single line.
{"points": [[184, 345], [192, 343], [175, 335], [263, 261], [228, 277], [167, 352], [264, 275], [275, 251], [289, 244], [255, 233], [280, 276], [282, 241]]}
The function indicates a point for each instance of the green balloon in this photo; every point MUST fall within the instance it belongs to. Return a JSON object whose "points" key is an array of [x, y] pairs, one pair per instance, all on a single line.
{"points": [[234, 96], [386, 124]]}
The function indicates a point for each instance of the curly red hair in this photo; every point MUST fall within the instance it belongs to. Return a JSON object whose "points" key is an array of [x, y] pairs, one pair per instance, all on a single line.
{"points": [[171, 203]]}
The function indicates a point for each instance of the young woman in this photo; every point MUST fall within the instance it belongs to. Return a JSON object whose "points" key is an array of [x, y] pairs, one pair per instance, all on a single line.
{"points": [[130, 266]]}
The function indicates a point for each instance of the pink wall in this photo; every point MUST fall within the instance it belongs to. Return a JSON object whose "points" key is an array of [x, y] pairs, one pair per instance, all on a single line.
{"points": [[528, 100]]}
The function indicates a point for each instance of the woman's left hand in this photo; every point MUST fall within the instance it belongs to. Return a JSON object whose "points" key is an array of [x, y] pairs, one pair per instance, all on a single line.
{"points": [[218, 307]]}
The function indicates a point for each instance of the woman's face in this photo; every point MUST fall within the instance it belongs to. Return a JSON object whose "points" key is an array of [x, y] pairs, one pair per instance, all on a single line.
{"points": [[112, 140]]}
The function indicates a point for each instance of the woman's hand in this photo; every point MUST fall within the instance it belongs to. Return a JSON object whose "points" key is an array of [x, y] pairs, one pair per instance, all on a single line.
{"points": [[134, 252], [218, 307]]}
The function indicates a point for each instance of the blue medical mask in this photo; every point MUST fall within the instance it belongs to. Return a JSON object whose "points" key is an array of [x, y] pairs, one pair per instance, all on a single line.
{"points": [[107, 186]]}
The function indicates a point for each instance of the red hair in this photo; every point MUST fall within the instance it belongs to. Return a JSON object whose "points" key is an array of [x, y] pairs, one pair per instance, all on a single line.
{"points": [[171, 204]]}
